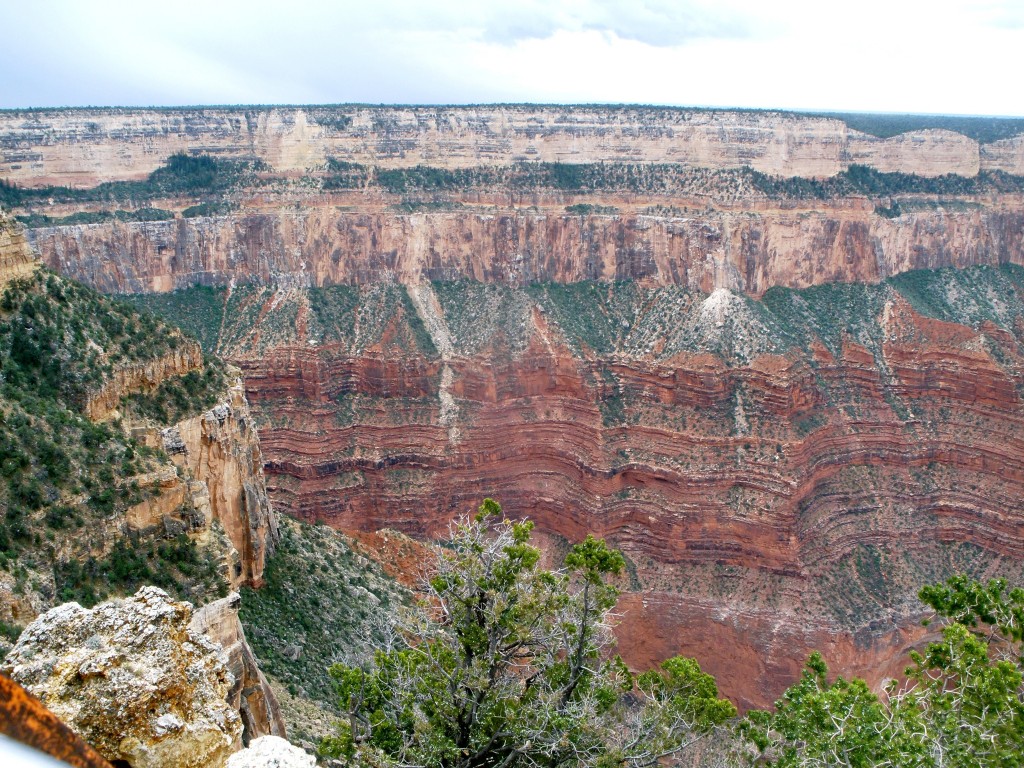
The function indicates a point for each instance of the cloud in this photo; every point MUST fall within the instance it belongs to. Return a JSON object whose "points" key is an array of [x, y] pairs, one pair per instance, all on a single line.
{"points": [[659, 23], [887, 55]]}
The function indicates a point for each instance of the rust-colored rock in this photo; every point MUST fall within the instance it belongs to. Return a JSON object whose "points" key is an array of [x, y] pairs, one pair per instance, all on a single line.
{"points": [[23, 717], [742, 251], [771, 499]]}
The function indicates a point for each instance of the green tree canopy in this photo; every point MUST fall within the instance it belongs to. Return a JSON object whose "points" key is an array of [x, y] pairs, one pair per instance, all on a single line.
{"points": [[509, 664], [961, 706]]}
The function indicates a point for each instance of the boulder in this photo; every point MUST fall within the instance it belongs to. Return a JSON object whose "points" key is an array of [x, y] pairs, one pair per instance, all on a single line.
{"points": [[133, 679]]}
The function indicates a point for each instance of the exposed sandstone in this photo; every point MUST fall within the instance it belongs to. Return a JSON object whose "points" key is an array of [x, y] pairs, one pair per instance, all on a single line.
{"points": [[16, 259], [221, 449], [743, 251], [143, 377], [133, 680], [250, 694], [83, 147]]}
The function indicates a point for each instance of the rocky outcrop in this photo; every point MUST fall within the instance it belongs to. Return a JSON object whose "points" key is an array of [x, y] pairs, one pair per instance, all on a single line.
{"points": [[16, 258], [748, 251], [82, 147], [221, 449], [143, 377], [250, 694], [133, 679]]}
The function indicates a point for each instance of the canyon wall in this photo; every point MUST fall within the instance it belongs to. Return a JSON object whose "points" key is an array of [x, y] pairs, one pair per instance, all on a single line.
{"points": [[748, 251], [16, 256], [83, 147], [221, 450], [782, 474], [749, 390]]}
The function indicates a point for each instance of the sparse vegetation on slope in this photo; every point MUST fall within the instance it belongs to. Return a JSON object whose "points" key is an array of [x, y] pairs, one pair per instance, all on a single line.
{"points": [[182, 174], [322, 602], [66, 480]]}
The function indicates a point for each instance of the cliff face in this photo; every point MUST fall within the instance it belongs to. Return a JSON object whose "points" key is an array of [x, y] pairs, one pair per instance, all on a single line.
{"points": [[220, 450], [782, 474], [749, 251], [784, 460], [250, 693], [16, 257], [85, 147], [142, 378]]}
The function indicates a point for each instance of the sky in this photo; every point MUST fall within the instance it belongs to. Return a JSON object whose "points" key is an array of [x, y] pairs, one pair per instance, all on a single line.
{"points": [[940, 56]]}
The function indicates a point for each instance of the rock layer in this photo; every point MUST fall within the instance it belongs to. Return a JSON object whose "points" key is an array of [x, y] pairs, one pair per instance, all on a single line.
{"points": [[142, 378], [221, 449], [250, 694], [783, 475], [82, 147], [741, 251], [16, 257]]}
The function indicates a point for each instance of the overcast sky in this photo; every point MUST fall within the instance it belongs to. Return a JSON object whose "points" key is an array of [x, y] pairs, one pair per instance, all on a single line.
{"points": [[944, 56]]}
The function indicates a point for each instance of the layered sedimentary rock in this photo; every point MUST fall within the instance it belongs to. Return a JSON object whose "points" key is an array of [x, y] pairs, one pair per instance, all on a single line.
{"points": [[133, 680], [749, 251], [85, 147], [142, 378], [220, 449], [782, 474], [16, 257], [784, 460]]}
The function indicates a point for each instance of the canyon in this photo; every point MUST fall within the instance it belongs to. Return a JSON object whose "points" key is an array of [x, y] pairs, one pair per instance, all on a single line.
{"points": [[83, 147], [789, 411]]}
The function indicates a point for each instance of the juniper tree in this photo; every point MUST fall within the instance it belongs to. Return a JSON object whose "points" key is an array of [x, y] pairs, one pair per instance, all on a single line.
{"points": [[507, 664]]}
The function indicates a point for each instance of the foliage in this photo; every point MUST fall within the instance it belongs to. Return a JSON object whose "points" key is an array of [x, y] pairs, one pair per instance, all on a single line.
{"points": [[63, 477], [961, 707], [587, 209], [177, 565], [321, 601], [198, 311], [214, 208], [179, 397], [35, 220], [318, 596], [864, 180], [507, 664], [182, 174]]}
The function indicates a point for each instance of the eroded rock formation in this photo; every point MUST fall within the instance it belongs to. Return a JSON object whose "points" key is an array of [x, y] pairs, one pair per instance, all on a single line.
{"points": [[83, 147], [749, 251], [783, 474], [250, 693], [220, 449], [133, 679], [16, 257], [142, 378]]}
